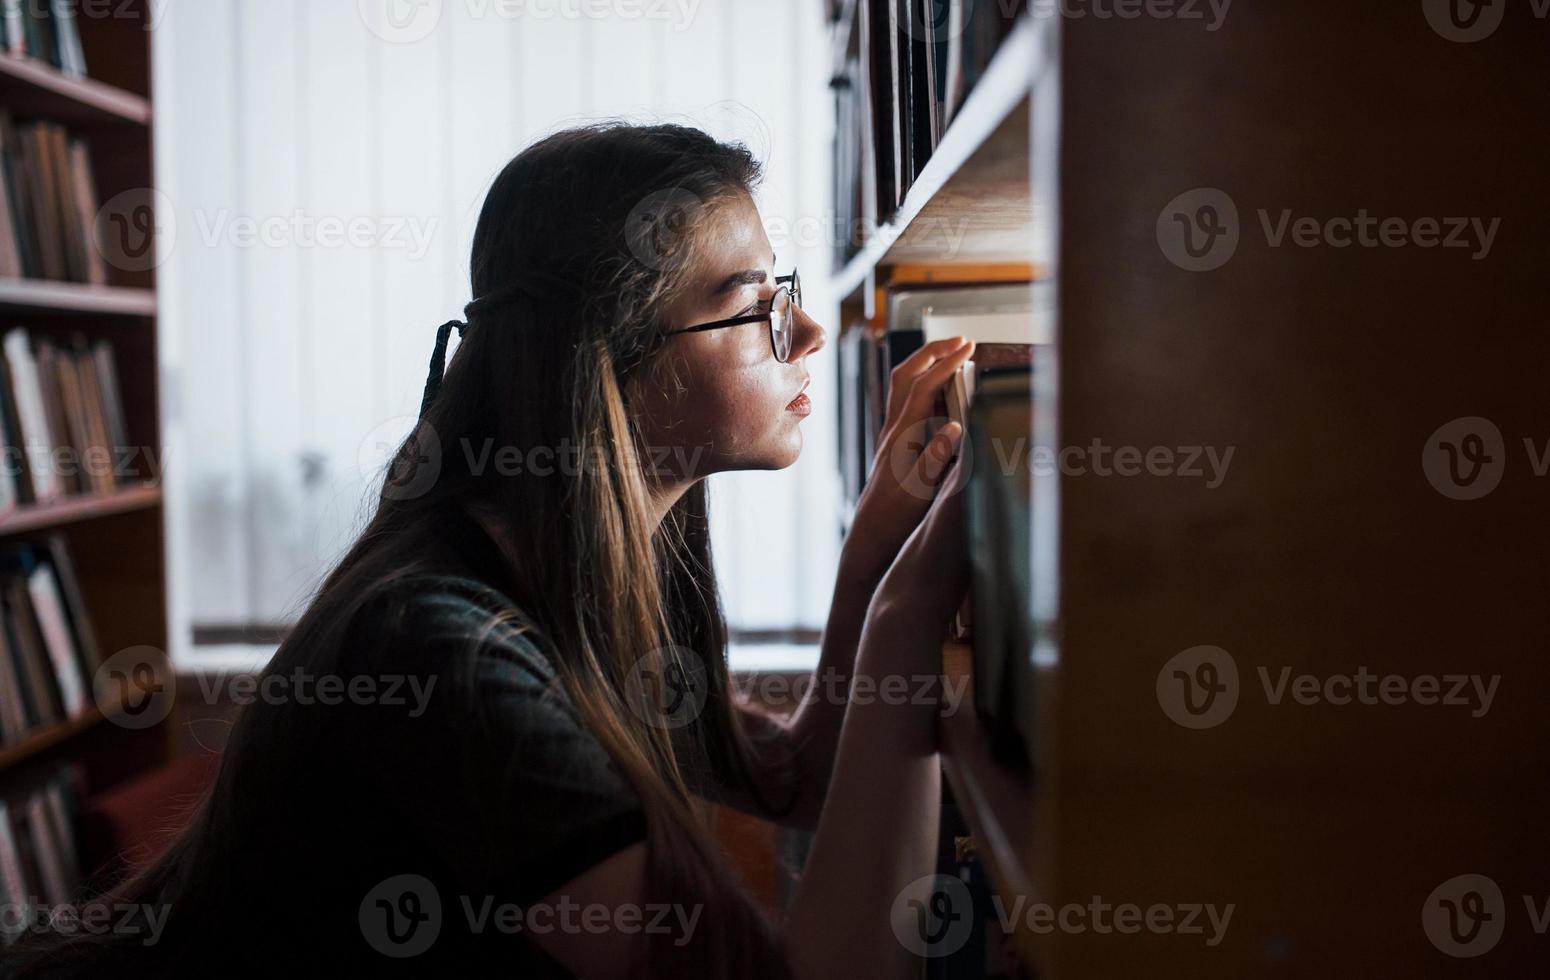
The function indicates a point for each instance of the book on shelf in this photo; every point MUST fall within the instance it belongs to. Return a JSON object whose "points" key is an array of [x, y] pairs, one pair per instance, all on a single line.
{"points": [[39, 852], [51, 205], [916, 62], [997, 502], [64, 425], [47, 644], [46, 30], [991, 397]]}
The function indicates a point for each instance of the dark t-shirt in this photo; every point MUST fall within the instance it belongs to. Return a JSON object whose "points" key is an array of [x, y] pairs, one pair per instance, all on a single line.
{"points": [[495, 793], [400, 829]]}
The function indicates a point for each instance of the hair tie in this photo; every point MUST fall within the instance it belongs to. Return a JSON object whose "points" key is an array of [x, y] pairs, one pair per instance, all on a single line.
{"points": [[439, 362], [535, 286]]}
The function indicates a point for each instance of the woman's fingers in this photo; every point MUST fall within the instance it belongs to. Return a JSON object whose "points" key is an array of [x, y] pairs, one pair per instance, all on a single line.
{"points": [[923, 390], [938, 453], [902, 379]]}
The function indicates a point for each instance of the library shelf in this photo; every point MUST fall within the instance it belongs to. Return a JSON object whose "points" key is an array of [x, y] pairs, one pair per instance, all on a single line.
{"points": [[33, 88], [46, 738], [997, 800], [31, 518], [38, 296], [972, 202]]}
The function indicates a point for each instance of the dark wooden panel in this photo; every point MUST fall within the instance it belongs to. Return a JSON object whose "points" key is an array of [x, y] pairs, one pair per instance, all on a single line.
{"points": [[1325, 549]]}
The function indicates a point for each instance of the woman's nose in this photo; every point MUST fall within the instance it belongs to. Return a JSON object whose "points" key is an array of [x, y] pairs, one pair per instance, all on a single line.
{"points": [[809, 337]]}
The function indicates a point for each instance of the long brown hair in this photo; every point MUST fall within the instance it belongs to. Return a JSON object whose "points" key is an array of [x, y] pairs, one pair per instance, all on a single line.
{"points": [[585, 240]]}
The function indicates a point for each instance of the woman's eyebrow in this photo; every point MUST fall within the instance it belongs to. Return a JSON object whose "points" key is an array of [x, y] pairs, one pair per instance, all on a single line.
{"points": [[748, 277]]}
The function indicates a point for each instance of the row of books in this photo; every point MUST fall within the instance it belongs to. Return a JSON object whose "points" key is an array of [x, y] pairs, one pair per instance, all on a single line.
{"points": [[48, 649], [62, 419], [38, 856], [46, 30], [48, 211], [909, 70], [991, 397]]}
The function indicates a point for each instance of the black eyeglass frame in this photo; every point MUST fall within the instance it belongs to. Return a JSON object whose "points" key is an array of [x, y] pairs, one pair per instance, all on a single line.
{"points": [[791, 284]]}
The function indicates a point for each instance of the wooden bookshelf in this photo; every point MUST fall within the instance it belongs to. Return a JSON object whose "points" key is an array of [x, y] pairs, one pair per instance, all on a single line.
{"points": [[997, 800], [1327, 548], [33, 88], [78, 509], [44, 739], [37, 297], [971, 203], [114, 539]]}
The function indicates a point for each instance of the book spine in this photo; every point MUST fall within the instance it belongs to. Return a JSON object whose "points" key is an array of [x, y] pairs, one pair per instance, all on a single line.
{"points": [[49, 608], [15, 27], [72, 59], [33, 416]]}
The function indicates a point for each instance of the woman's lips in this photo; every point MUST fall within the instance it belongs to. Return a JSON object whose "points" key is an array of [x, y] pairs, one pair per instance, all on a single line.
{"points": [[800, 404]]}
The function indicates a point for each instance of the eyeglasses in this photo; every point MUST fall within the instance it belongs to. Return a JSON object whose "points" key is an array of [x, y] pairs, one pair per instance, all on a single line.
{"points": [[780, 316]]}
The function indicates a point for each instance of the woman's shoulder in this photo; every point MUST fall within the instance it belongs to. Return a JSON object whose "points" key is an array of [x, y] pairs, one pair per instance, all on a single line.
{"points": [[427, 614]]}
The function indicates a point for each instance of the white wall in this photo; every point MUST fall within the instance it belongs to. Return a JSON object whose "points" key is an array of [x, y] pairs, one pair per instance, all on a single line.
{"points": [[285, 356]]}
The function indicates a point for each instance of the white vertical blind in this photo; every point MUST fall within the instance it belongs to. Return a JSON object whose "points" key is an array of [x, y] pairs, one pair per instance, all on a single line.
{"points": [[326, 182]]}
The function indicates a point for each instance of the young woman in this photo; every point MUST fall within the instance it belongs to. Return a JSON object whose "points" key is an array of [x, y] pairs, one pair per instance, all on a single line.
{"points": [[526, 804]]}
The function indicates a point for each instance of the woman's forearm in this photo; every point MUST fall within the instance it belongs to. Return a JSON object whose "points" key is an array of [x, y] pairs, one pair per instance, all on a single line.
{"points": [[878, 828]]}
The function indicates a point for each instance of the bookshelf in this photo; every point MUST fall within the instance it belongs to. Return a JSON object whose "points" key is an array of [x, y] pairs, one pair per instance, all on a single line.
{"points": [[1329, 547], [113, 536]]}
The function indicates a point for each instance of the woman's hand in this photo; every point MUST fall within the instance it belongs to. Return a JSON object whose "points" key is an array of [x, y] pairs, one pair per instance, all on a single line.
{"points": [[926, 584], [906, 470]]}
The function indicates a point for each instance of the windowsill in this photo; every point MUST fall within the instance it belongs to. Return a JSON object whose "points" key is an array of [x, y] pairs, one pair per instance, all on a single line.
{"points": [[742, 658]]}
